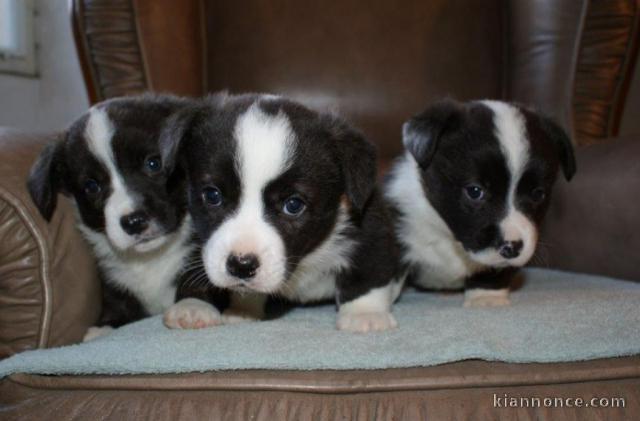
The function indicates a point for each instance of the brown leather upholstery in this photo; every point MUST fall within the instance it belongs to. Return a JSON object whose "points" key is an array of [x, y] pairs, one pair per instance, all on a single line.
{"points": [[377, 64], [543, 38], [607, 54], [463, 390], [49, 292], [127, 47], [170, 34], [574, 60], [593, 224]]}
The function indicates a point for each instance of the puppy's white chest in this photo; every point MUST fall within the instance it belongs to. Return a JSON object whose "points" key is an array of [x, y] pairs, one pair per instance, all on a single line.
{"points": [[151, 277], [311, 286], [153, 286], [315, 277], [429, 244]]}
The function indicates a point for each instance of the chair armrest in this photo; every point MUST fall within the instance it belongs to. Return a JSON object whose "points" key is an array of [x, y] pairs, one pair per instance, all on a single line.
{"points": [[49, 289], [593, 224]]}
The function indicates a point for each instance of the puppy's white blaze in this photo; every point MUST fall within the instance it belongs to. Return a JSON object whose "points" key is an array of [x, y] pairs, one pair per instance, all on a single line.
{"points": [[99, 134], [511, 132], [264, 146]]}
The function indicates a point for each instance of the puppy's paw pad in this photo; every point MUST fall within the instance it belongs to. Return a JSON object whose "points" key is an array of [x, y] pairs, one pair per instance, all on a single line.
{"points": [[366, 322], [191, 313], [487, 301], [95, 332]]}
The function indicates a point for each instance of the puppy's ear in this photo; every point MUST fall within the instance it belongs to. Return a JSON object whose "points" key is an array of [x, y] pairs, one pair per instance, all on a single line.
{"points": [[422, 133], [563, 145], [44, 181], [174, 133], [357, 157]]}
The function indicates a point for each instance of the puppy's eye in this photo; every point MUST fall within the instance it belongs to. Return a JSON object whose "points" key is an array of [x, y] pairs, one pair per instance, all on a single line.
{"points": [[92, 187], [212, 196], [153, 164], [294, 206], [474, 192], [538, 194]]}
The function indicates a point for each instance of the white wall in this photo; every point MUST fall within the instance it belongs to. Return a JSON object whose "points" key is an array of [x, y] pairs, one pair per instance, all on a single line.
{"points": [[57, 96]]}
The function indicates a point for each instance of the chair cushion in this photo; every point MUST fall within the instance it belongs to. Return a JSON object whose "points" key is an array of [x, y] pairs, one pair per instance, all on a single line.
{"points": [[554, 317]]}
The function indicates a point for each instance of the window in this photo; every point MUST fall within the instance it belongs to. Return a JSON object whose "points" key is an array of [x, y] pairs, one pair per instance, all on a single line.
{"points": [[17, 44]]}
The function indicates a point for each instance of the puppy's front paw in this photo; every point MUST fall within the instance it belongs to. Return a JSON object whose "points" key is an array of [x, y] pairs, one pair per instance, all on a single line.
{"points": [[191, 313], [366, 322], [95, 332], [476, 298]]}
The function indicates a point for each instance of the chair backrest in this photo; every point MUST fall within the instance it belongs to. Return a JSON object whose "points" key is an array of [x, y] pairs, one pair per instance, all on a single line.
{"points": [[376, 62]]}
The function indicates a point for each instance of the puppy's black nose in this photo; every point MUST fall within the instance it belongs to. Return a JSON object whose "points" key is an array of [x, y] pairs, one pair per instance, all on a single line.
{"points": [[135, 222], [244, 266], [511, 249]]}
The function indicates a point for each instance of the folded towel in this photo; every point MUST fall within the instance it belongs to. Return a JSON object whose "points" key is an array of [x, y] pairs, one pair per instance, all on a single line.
{"points": [[554, 316]]}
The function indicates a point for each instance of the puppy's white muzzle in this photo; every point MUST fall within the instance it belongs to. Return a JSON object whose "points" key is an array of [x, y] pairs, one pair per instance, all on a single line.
{"points": [[245, 252], [519, 239]]}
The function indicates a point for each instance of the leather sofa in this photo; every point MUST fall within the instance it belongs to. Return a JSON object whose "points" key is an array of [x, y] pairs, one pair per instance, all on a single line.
{"points": [[376, 63]]}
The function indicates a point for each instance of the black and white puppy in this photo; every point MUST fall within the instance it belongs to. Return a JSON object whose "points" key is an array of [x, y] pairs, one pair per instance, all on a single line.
{"points": [[284, 203], [471, 191], [131, 209]]}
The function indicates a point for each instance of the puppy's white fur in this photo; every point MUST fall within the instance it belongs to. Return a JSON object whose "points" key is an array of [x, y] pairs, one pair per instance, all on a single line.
{"points": [[315, 277], [428, 241], [371, 311]]}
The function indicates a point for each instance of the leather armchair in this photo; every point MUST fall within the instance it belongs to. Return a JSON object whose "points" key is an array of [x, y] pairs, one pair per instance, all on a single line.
{"points": [[376, 65]]}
